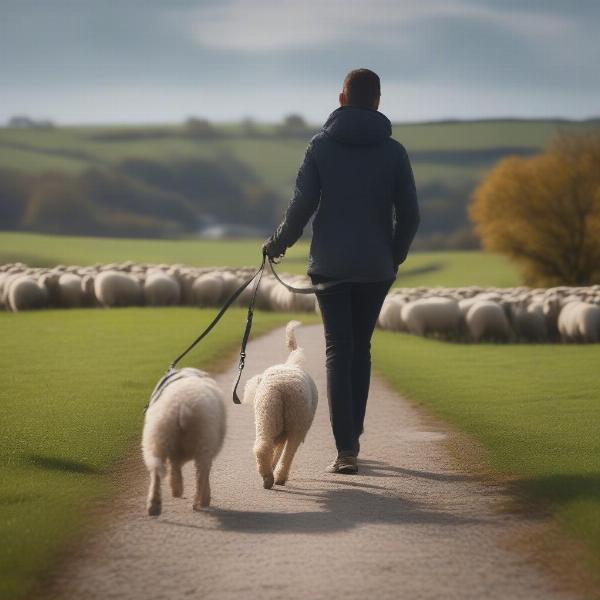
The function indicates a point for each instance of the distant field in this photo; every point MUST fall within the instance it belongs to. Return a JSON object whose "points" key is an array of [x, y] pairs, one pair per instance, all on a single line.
{"points": [[421, 269], [439, 151], [534, 407], [74, 386]]}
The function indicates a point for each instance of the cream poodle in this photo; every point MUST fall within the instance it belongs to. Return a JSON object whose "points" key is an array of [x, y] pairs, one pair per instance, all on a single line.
{"points": [[285, 400]]}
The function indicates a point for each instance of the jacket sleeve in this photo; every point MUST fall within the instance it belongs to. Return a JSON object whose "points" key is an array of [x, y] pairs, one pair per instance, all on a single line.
{"points": [[406, 211], [307, 194]]}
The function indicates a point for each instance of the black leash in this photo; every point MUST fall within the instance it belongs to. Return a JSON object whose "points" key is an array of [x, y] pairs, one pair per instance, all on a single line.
{"points": [[306, 290], [172, 373], [313, 289]]}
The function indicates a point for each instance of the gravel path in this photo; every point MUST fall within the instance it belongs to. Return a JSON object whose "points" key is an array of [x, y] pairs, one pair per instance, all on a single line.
{"points": [[409, 526]]}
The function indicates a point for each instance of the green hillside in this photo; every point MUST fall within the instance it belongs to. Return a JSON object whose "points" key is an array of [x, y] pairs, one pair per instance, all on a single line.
{"points": [[276, 158], [246, 169]]}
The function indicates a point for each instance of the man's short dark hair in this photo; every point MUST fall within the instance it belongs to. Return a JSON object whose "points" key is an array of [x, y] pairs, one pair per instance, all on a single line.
{"points": [[362, 87]]}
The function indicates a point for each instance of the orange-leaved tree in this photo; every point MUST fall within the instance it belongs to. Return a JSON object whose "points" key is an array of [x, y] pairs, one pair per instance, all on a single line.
{"points": [[543, 212]]}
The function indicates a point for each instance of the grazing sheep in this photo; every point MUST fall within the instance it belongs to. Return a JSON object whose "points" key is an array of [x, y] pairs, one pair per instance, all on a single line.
{"points": [[113, 288], [486, 319], [25, 293], [390, 316], [70, 292], [161, 289], [207, 290], [302, 302], [185, 422], [285, 399], [230, 283], [579, 322], [431, 315], [282, 299], [528, 320], [263, 298]]}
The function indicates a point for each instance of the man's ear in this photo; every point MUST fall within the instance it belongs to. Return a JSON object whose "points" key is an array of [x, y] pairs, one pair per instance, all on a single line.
{"points": [[342, 99]]}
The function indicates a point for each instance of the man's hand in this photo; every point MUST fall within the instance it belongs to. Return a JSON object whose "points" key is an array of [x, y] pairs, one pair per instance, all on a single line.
{"points": [[272, 250]]}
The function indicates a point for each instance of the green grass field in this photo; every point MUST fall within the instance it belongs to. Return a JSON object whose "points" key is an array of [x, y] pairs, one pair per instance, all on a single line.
{"points": [[535, 408], [74, 386], [421, 269]]}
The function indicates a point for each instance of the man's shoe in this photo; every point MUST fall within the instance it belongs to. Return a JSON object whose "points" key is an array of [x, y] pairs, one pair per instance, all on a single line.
{"points": [[345, 464]]}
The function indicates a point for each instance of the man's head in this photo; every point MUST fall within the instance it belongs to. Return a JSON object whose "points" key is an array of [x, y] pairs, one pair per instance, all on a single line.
{"points": [[362, 89]]}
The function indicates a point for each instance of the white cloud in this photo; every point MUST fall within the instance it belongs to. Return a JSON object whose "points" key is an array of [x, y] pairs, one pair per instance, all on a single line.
{"points": [[265, 25]]}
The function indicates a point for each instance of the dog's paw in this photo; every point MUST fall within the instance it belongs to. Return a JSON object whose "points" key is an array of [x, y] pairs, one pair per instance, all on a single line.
{"points": [[154, 509], [199, 506], [268, 482], [280, 481]]}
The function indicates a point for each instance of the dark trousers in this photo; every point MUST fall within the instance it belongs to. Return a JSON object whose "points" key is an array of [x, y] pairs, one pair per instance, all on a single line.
{"points": [[349, 312]]}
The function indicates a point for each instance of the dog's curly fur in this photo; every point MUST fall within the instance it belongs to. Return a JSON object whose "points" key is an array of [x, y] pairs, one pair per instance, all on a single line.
{"points": [[285, 399], [187, 422]]}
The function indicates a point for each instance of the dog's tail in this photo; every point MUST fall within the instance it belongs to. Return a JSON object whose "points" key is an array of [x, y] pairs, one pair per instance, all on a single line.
{"points": [[290, 336]]}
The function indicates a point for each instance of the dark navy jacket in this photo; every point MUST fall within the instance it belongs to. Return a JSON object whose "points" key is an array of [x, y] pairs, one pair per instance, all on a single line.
{"points": [[358, 182]]}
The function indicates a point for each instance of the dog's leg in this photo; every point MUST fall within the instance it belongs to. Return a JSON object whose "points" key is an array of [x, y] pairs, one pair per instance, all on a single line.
{"points": [[277, 452], [283, 469], [176, 480], [264, 458], [154, 503], [202, 499]]}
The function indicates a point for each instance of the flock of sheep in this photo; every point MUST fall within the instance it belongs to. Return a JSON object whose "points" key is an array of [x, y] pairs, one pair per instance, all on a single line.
{"points": [[567, 314], [138, 284], [474, 314]]}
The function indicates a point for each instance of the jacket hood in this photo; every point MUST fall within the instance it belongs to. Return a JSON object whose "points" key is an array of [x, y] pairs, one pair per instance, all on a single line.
{"points": [[357, 126]]}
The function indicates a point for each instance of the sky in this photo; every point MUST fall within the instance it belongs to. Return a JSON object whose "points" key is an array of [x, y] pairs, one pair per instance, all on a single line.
{"points": [[145, 61]]}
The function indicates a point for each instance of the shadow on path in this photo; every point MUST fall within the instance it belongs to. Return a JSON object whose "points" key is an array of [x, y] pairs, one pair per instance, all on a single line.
{"points": [[375, 468], [335, 510]]}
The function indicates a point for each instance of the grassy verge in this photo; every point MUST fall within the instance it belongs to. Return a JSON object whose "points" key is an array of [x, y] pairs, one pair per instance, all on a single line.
{"points": [[421, 269], [535, 408], [74, 385]]}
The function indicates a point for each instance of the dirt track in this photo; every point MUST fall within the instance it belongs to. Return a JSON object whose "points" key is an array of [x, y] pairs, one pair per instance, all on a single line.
{"points": [[409, 526]]}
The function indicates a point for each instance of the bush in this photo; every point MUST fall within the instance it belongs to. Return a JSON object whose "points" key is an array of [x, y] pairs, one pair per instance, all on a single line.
{"points": [[544, 212]]}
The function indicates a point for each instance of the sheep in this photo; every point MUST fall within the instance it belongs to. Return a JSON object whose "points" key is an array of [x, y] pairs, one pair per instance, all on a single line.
{"points": [[208, 289], [185, 422], [579, 322], [113, 288], [230, 283], [70, 293], [282, 299], [390, 316], [25, 293], [302, 302], [486, 319], [161, 289], [528, 320], [431, 315], [263, 298], [285, 399]]}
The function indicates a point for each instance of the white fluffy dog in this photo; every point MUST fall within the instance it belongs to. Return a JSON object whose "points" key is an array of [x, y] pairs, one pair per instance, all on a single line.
{"points": [[285, 400], [185, 422]]}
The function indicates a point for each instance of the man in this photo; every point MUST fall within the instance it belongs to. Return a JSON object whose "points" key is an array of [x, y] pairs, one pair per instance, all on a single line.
{"points": [[359, 183]]}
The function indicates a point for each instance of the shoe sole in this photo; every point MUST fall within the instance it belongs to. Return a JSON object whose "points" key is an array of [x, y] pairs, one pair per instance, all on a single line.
{"points": [[345, 471]]}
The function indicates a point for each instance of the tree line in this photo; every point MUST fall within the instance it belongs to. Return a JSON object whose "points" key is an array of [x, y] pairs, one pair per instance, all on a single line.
{"points": [[137, 198]]}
